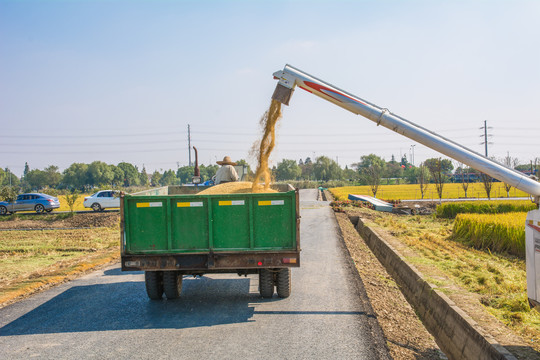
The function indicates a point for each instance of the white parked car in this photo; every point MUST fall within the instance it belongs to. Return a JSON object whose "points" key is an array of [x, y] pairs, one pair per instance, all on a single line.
{"points": [[102, 200]]}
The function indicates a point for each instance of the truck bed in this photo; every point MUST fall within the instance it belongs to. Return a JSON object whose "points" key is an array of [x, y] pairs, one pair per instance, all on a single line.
{"points": [[167, 229]]}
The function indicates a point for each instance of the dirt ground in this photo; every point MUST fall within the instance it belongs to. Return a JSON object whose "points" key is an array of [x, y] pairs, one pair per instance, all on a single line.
{"points": [[76, 221], [406, 337]]}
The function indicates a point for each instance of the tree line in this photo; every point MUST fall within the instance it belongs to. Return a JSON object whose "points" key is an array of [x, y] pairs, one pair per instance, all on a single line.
{"points": [[371, 170]]}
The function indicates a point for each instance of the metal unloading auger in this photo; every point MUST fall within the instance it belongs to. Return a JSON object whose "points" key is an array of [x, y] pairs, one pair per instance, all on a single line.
{"points": [[290, 77]]}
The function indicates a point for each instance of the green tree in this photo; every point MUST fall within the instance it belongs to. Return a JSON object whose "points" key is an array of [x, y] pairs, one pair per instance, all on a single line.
{"points": [[99, 174], [393, 170], [350, 174], [143, 177], [371, 168], [9, 178], [36, 179], [445, 165], [26, 169], [439, 170], [76, 176], [422, 179], [168, 178], [185, 174], [71, 199], [118, 175], [8, 193], [208, 171], [307, 170], [410, 174], [156, 177], [326, 169], [52, 176], [131, 175], [288, 170]]}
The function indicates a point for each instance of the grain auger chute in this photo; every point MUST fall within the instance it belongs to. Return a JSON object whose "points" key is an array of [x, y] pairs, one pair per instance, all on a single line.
{"points": [[290, 77]]}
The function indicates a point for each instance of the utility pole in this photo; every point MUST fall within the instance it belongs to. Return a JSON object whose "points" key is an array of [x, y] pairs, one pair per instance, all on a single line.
{"points": [[189, 143], [412, 157], [485, 136]]}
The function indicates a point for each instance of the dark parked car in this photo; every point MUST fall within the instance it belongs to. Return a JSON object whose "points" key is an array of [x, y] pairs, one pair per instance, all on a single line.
{"points": [[30, 202]]}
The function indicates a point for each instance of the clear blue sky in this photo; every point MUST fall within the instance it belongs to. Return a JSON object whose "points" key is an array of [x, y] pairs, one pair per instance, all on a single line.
{"points": [[121, 80]]}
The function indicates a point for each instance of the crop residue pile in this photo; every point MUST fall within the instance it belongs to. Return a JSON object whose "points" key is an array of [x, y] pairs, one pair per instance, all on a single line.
{"points": [[241, 187], [261, 182]]}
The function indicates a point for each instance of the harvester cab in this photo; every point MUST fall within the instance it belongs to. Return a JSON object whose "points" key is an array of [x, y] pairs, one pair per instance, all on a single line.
{"points": [[290, 77]]}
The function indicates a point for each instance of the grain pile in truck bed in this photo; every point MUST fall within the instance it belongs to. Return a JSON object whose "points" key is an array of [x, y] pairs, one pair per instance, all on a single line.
{"points": [[240, 187]]}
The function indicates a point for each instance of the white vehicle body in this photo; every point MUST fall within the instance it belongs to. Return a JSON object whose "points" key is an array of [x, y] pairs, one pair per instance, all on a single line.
{"points": [[102, 200]]}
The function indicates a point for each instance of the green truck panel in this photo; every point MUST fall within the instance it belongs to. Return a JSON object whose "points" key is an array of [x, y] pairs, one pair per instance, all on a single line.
{"points": [[181, 224]]}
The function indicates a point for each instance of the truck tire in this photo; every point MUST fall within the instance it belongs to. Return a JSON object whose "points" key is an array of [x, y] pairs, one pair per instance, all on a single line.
{"points": [[266, 283], [172, 284], [283, 283], [154, 284]]}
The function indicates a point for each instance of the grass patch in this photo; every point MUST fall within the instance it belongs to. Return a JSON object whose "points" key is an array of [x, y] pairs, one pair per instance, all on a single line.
{"points": [[30, 260], [498, 278]]}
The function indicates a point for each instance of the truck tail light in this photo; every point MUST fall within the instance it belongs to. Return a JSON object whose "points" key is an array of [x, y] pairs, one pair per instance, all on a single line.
{"points": [[289, 260]]}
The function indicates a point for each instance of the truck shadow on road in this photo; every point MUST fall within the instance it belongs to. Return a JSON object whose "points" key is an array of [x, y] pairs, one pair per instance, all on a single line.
{"points": [[125, 306]]}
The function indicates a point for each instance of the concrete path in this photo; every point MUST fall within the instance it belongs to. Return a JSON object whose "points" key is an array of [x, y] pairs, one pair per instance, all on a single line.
{"points": [[106, 314]]}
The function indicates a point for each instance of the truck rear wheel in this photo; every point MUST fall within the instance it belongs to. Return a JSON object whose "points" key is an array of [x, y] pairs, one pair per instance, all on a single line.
{"points": [[266, 283], [172, 284], [154, 284], [283, 283]]}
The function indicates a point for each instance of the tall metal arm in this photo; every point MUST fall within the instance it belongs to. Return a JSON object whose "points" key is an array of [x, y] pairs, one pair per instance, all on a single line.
{"points": [[290, 77]]}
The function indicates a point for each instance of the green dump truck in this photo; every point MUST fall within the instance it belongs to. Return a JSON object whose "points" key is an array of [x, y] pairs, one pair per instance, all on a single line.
{"points": [[170, 232]]}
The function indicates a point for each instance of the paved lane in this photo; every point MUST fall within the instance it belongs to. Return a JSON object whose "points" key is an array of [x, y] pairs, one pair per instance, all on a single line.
{"points": [[106, 315]]}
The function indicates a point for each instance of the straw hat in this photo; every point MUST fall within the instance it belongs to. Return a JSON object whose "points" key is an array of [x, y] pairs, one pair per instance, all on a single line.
{"points": [[226, 161]]}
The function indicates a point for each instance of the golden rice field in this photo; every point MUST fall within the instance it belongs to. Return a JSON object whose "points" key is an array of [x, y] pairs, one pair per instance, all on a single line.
{"points": [[450, 210], [412, 191], [78, 203], [496, 232]]}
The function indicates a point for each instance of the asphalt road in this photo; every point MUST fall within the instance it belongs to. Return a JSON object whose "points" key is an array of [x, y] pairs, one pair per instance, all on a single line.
{"points": [[106, 314]]}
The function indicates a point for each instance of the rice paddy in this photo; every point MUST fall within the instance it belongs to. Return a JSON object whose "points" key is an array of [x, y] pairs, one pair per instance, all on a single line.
{"points": [[412, 191], [449, 210], [494, 232]]}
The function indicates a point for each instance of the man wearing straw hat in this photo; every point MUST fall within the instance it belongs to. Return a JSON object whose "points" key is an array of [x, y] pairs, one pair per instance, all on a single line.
{"points": [[226, 173]]}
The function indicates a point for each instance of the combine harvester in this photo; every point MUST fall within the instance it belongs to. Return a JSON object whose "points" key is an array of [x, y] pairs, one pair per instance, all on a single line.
{"points": [[290, 77]]}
